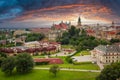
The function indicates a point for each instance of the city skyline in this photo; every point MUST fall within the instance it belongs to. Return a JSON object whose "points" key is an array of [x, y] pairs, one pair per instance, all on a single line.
{"points": [[42, 13]]}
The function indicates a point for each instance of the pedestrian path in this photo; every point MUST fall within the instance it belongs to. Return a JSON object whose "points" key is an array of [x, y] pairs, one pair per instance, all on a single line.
{"points": [[69, 69]]}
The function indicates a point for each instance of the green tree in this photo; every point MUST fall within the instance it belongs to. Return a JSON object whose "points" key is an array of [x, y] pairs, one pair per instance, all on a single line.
{"points": [[115, 40], [34, 37], [110, 72], [54, 69], [2, 56], [24, 63], [8, 65]]}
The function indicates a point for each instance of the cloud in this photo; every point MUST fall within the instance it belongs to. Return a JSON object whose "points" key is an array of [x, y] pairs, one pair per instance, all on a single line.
{"points": [[57, 10], [67, 12], [11, 13]]}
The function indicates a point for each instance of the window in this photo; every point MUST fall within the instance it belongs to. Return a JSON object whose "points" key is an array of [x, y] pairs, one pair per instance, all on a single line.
{"points": [[113, 61], [109, 60], [106, 57]]}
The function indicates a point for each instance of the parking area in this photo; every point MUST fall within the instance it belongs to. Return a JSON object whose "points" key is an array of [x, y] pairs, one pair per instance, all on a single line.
{"points": [[86, 58]]}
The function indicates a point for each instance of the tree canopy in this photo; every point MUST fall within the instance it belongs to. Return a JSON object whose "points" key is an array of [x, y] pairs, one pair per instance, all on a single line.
{"points": [[34, 37], [110, 72], [8, 65], [54, 69], [24, 63], [80, 40]]}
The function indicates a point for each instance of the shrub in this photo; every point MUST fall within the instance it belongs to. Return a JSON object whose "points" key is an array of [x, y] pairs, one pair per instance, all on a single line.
{"points": [[69, 59]]}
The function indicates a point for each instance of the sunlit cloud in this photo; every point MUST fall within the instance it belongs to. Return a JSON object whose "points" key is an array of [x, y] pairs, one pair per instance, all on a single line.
{"points": [[42, 12], [68, 13]]}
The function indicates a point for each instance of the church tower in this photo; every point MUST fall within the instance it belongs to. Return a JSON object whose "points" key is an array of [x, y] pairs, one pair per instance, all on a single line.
{"points": [[79, 23], [113, 24], [53, 26]]}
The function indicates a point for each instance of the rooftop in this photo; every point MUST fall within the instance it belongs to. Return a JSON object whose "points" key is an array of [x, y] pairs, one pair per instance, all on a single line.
{"points": [[109, 48]]}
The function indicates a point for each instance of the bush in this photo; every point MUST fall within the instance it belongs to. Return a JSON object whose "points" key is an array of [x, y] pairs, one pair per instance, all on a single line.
{"points": [[69, 59]]}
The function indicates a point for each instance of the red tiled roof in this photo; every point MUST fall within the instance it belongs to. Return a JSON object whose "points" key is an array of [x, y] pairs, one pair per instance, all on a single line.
{"points": [[19, 50], [111, 32], [90, 31], [6, 50], [54, 43], [50, 60], [68, 50], [61, 26]]}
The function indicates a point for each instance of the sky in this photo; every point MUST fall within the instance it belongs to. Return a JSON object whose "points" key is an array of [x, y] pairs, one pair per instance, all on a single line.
{"points": [[43, 13]]}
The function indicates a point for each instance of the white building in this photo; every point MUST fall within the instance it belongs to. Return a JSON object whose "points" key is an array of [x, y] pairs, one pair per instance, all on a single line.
{"points": [[33, 44], [107, 54]]}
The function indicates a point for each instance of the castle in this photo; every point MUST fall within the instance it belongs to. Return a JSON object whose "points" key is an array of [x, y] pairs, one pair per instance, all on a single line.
{"points": [[58, 29]]}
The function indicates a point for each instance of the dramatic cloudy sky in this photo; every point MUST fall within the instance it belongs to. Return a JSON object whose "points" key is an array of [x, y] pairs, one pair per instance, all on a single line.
{"points": [[42, 13]]}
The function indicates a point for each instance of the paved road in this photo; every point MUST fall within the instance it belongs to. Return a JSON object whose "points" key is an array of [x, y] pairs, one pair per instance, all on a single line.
{"points": [[62, 53], [85, 58], [66, 69]]}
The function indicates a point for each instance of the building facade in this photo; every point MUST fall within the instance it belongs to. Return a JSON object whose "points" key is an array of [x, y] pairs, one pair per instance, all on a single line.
{"points": [[79, 24], [107, 54], [57, 30]]}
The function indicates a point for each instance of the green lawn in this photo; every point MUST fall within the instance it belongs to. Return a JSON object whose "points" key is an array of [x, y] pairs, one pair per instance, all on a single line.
{"points": [[67, 46], [45, 75], [82, 66], [87, 66], [82, 53], [38, 56]]}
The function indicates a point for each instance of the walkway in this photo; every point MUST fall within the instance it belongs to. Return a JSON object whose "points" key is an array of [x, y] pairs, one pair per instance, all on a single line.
{"points": [[66, 69], [62, 53], [85, 58]]}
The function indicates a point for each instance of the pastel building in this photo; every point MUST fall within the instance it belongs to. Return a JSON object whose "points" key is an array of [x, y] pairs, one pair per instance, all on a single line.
{"points": [[107, 54]]}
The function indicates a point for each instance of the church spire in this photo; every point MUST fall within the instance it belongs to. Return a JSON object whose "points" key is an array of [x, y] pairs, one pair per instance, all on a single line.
{"points": [[79, 21]]}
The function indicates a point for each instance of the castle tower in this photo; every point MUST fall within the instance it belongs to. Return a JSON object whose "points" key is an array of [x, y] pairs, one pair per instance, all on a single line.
{"points": [[79, 23], [53, 26], [113, 24]]}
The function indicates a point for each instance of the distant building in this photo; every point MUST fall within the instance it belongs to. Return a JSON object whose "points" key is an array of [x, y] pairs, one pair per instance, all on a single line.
{"points": [[104, 32], [42, 44], [42, 47], [3, 42], [79, 25], [58, 29], [44, 31], [62, 26], [107, 54], [33, 44], [19, 32]]}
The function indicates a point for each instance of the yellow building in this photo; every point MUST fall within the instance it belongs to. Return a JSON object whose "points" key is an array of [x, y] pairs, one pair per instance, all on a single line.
{"points": [[107, 54]]}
